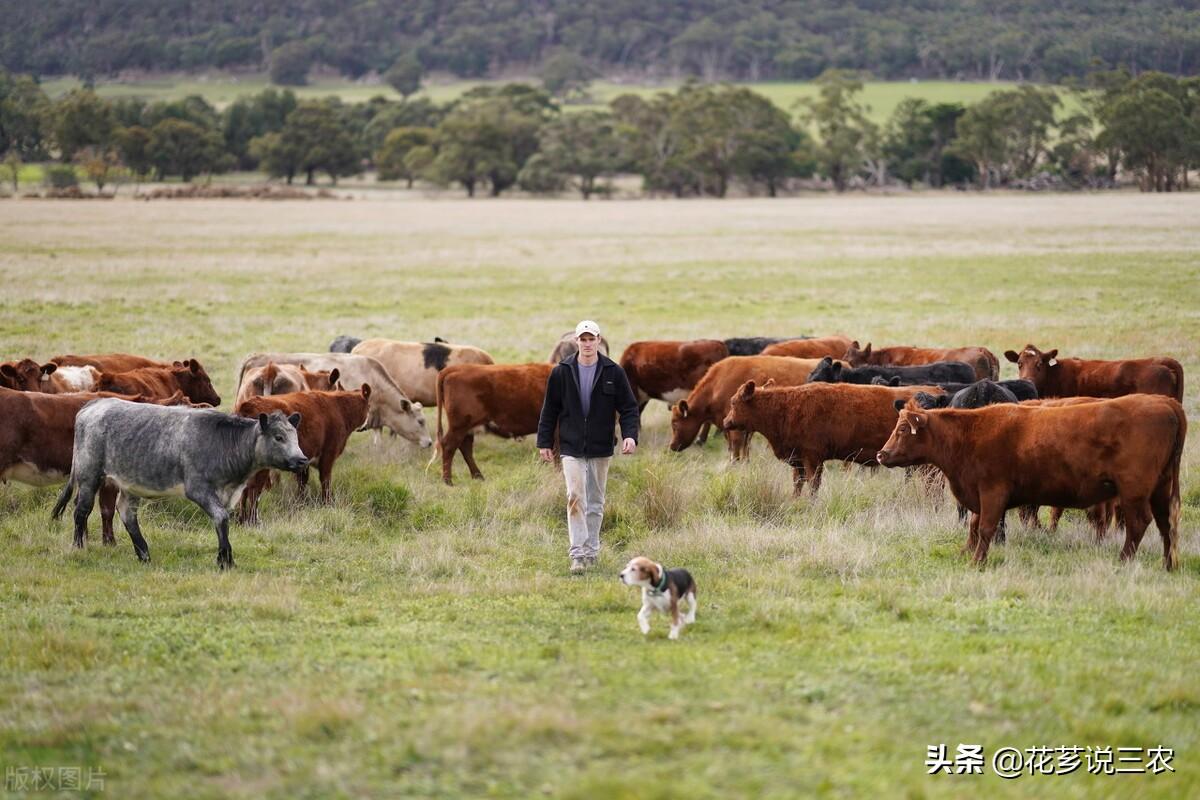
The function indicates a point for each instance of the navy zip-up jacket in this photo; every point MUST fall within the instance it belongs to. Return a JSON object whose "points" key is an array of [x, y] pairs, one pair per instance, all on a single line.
{"points": [[590, 436]]}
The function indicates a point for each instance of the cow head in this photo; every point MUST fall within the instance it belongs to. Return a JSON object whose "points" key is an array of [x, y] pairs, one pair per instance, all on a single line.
{"points": [[26, 375], [828, 371], [320, 381], [195, 383], [909, 441], [1032, 364], [277, 444], [925, 401], [685, 426], [390, 409], [857, 356], [741, 405]]}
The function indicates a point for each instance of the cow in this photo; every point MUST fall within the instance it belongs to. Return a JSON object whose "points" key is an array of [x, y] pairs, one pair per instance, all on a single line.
{"points": [[754, 345], [326, 421], [161, 382], [343, 344], [390, 407], [567, 347], [153, 451], [504, 399], [832, 346], [817, 422], [276, 379], [25, 375], [976, 395], [668, 370], [982, 361], [1021, 390], [414, 366], [830, 371], [1068, 377], [110, 362], [1004, 456], [708, 402]]}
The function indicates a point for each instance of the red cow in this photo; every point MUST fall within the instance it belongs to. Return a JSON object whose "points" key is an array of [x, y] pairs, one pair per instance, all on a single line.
{"points": [[1071, 377], [980, 359]]}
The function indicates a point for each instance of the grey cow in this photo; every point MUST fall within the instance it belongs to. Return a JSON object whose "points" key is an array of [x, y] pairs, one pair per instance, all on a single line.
{"points": [[155, 451]]}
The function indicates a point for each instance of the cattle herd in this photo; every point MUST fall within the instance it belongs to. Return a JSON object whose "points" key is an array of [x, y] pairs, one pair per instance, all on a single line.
{"points": [[1105, 436]]}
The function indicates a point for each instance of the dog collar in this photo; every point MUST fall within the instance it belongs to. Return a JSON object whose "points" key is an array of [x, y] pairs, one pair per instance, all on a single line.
{"points": [[662, 584]]}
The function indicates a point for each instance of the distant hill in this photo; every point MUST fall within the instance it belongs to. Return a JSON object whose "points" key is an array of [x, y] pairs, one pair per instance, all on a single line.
{"points": [[736, 39]]}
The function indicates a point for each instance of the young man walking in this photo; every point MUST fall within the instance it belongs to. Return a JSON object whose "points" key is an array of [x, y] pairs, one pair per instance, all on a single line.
{"points": [[585, 393]]}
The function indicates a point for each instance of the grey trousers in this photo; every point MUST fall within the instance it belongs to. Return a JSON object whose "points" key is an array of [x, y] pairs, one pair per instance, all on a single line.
{"points": [[586, 479]]}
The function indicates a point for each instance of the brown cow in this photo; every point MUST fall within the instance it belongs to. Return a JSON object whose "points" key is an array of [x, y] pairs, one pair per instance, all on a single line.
{"points": [[980, 359], [1002, 456], [38, 437], [709, 401], [25, 375], [567, 347], [832, 346], [668, 370], [162, 382], [109, 362], [811, 424], [414, 366], [506, 399], [1070, 377], [326, 421], [276, 379]]}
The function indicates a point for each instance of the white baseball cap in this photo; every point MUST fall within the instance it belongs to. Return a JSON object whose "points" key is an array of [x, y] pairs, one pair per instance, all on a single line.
{"points": [[587, 326]]}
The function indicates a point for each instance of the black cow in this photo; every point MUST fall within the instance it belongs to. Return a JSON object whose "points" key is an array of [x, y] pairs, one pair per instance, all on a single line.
{"points": [[1021, 390], [753, 345], [830, 371], [155, 451]]}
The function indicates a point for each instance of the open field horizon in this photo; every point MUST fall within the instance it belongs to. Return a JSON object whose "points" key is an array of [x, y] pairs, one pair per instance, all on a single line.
{"points": [[427, 641]]}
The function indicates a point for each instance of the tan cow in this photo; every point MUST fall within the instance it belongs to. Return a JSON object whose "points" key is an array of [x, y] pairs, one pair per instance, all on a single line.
{"points": [[276, 379], [832, 346], [414, 366]]}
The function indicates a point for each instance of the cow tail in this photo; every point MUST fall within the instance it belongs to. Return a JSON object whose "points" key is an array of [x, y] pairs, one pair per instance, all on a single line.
{"points": [[437, 399], [64, 497], [1177, 369]]}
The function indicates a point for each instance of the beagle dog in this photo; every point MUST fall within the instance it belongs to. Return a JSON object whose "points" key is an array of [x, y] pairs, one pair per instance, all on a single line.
{"points": [[662, 590]]}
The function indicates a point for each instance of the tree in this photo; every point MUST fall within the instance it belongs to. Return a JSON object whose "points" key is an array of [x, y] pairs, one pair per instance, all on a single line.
{"points": [[314, 138], [916, 137], [179, 147], [652, 146], [1007, 133], [133, 143], [25, 117], [843, 129], [248, 117], [392, 157], [12, 165], [488, 136], [1153, 122], [97, 163], [418, 113], [566, 75], [584, 145], [82, 119], [405, 75], [290, 63]]}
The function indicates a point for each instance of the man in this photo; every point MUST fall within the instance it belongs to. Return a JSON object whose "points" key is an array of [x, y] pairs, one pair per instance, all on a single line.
{"points": [[583, 396]]}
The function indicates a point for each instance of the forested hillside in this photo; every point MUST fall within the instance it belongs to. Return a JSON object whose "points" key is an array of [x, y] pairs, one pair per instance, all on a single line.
{"points": [[739, 39]]}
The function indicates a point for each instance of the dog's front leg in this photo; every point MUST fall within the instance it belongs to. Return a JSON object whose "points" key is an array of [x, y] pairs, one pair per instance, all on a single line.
{"points": [[644, 618]]}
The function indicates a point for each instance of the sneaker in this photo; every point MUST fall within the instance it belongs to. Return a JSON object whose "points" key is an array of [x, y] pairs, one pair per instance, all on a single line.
{"points": [[577, 566]]}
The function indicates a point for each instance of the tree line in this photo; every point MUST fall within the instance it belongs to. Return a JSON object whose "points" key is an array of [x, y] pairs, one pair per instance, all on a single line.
{"points": [[1022, 40], [700, 140]]}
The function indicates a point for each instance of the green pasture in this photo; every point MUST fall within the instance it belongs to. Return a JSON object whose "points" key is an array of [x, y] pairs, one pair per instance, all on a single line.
{"points": [[220, 89], [418, 640]]}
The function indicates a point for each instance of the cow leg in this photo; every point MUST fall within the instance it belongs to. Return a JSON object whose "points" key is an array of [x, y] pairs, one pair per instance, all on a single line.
{"points": [[972, 535], [814, 468], [108, 508], [84, 500], [127, 504], [1098, 516], [212, 505], [248, 513], [1164, 504], [703, 437], [1055, 515], [467, 448], [797, 478], [325, 471], [449, 445], [962, 514], [1137, 517], [1001, 529], [1029, 516], [992, 506]]}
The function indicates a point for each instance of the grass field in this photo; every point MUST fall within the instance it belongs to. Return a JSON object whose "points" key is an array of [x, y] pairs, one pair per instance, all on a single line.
{"points": [[881, 96], [418, 640]]}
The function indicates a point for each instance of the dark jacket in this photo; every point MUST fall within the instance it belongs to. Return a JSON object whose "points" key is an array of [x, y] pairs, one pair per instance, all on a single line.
{"points": [[591, 436]]}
